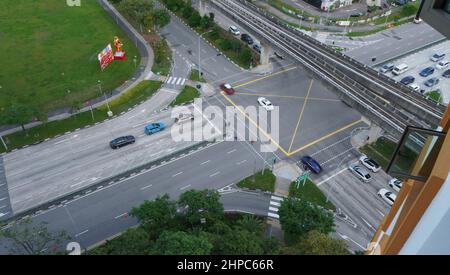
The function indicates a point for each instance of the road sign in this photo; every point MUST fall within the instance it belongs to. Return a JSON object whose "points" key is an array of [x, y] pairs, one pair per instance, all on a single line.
{"points": [[303, 177]]}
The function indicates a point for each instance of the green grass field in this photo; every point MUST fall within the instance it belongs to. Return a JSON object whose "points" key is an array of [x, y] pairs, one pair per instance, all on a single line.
{"points": [[186, 95], [262, 182], [311, 193], [48, 53]]}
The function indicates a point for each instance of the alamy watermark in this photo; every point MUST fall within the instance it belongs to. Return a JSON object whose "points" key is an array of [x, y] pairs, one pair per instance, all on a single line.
{"points": [[235, 123]]}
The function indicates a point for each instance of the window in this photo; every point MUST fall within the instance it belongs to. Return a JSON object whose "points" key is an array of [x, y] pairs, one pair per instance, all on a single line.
{"points": [[416, 153]]}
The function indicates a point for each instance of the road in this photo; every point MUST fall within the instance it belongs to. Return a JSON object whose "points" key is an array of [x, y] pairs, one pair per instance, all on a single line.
{"points": [[100, 214], [393, 43]]}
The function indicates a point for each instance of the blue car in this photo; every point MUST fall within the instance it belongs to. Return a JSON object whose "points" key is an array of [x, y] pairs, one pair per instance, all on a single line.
{"points": [[427, 71], [311, 164], [154, 128]]}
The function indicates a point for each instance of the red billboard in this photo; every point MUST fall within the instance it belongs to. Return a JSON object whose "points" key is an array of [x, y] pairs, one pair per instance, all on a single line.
{"points": [[105, 57]]}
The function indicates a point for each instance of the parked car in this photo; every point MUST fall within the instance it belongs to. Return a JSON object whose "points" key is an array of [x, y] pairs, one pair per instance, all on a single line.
{"points": [[357, 14], [265, 103], [442, 64], [360, 172], [370, 164], [387, 196], [431, 82], [407, 80], [415, 87], [437, 57], [311, 164], [427, 71], [234, 30], [121, 141], [387, 68], [247, 38], [154, 128], [395, 184], [279, 55], [227, 88], [257, 47], [446, 74], [399, 69]]}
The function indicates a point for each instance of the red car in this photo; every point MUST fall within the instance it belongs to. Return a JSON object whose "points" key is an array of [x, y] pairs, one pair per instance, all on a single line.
{"points": [[227, 88]]}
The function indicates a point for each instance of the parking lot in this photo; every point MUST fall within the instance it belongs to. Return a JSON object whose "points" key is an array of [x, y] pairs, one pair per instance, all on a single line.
{"points": [[421, 60]]}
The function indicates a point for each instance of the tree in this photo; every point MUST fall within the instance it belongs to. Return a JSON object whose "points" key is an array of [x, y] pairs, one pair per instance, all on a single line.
{"points": [[317, 243], [181, 243], [205, 22], [134, 241], [297, 217], [157, 215], [194, 19], [238, 242], [252, 224], [136, 8], [27, 238], [215, 32], [21, 114], [204, 204], [161, 18], [246, 56]]}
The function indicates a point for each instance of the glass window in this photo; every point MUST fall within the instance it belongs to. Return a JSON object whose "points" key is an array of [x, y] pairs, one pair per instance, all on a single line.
{"points": [[416, 153]]}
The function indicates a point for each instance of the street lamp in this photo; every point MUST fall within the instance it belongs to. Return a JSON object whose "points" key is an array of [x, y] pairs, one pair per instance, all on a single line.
{"points": [[135, 61], [199, 60], [106, 99]]}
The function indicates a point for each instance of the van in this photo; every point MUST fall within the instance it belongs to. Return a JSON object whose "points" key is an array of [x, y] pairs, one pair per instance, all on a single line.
{"points": [[400, 69]]}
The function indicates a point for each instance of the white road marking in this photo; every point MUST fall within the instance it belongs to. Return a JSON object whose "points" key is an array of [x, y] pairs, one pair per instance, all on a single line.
{"points": [[229, 152], [179, 81], [338, 155], [177, 174], [205, 162], [182, 82], [273, 209], [145, 187], [275, 203], [2, 199], [349, 239], [368, 224], [381, 213], [276, 198], [174, 80], [182, 188], [327, 179], [81, 233], [331, 145], [273, 215], [83, 181], [241, 162], [215, 174], [121, 215], [169, 79]]}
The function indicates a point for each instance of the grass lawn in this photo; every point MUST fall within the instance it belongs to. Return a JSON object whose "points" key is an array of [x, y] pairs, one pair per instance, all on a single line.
{"points": [[435, 96], [187, 94], [142, 91], [311, 193], [194, 76], [262, 182], [48, 49]]}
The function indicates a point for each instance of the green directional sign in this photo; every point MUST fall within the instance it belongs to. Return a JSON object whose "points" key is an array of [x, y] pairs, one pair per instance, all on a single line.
{"points": [[303, 177]]}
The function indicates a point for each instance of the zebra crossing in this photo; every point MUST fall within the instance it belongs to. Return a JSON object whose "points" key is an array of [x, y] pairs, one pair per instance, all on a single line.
{"points": [[177, 81], [275, 203]]}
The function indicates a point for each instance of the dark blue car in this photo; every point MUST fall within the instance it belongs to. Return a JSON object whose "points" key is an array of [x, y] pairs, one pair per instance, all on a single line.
{"points": [[407, 80], [311, 164], [427, 71]]}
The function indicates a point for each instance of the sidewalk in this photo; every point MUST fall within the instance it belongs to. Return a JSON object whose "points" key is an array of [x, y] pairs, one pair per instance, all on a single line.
{"points": [[143, 72]]}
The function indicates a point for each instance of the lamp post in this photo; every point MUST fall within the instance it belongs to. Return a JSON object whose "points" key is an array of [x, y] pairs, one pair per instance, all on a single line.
{"points": [[135, 61], [106, 99], [199, 59]]}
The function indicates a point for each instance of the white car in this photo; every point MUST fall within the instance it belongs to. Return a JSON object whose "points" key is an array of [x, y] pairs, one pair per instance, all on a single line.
{"points": [[360, 172], [265, 103], [370, 164], [415, 87], [234, 30], [387, 196], [395, 184], [442, 64]]}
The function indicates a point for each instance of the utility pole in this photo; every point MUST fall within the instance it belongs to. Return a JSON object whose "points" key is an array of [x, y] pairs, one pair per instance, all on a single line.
{"points": [[4, 144]]}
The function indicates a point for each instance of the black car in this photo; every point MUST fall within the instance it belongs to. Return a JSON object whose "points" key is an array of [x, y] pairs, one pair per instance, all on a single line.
{"points": [[122, 141], [257, 48], [446, 74], [246, 38], [407, 80], [358, 14]]}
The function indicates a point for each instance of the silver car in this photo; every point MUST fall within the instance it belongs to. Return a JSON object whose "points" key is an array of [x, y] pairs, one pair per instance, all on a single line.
{"points": [[360, 172]]}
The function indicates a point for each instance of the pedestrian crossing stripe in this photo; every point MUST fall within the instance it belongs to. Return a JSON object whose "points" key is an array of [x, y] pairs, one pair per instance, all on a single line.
{"points": [[276, 198], [273, 209], [273, 215], [175, 80], [275, 203]]}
